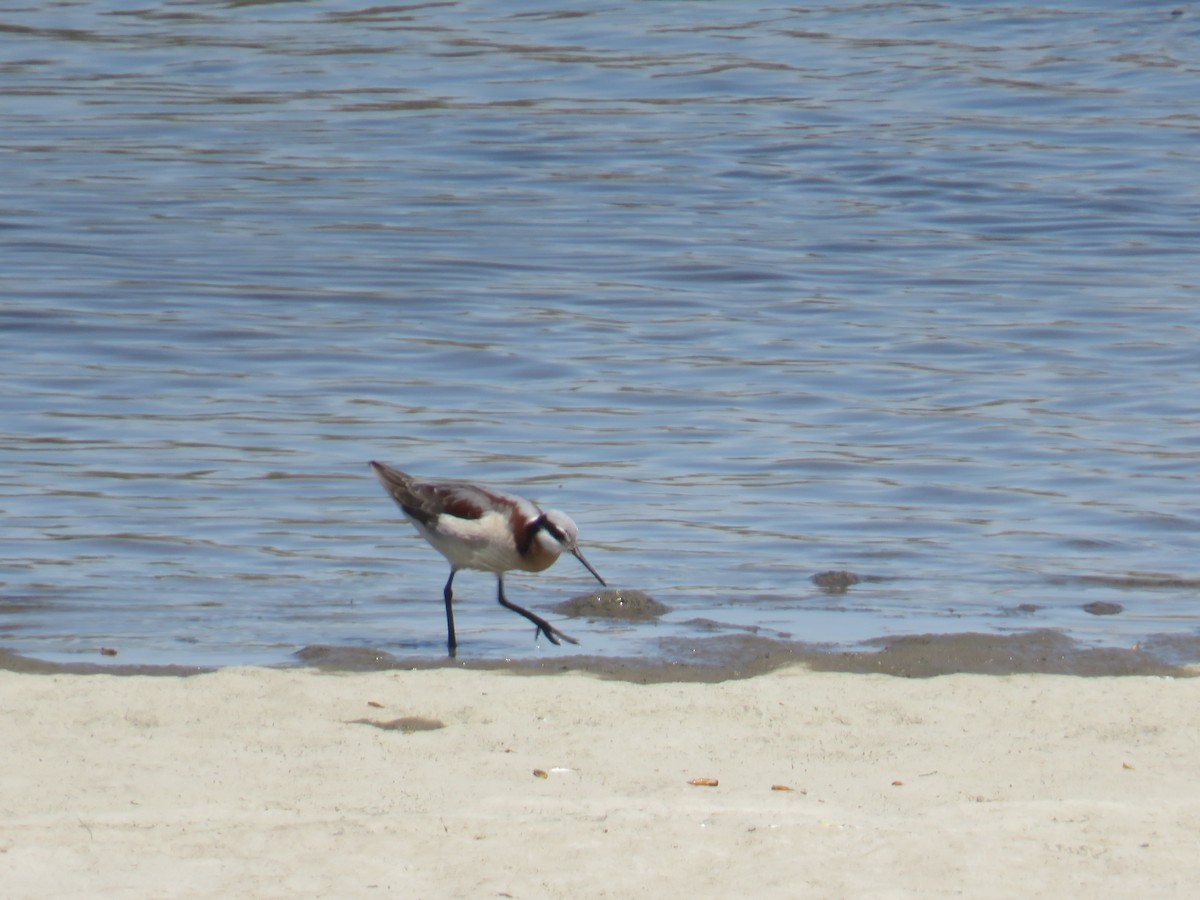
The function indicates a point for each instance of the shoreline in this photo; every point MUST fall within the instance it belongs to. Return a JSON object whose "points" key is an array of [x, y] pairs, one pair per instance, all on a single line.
{"points": [[733, 657]]}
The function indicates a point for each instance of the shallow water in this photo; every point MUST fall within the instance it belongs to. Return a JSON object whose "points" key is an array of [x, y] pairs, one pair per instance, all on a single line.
{"points": [[754, 293]]}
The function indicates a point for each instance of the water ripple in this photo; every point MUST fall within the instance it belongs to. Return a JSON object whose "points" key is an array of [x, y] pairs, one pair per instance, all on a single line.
{"points": [[906, 290]]}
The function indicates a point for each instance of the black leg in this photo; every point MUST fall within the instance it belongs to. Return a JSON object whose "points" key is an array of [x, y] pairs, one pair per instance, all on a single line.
{"points": [[543, 627], [448, 595]]}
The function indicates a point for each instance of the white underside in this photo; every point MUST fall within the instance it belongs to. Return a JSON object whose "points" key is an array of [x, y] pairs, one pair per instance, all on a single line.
{"points": [[485, 543]]}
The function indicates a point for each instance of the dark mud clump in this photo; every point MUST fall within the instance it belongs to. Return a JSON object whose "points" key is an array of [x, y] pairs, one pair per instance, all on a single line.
{"points": [[1103, 608], [612, 604], [839, 581]]}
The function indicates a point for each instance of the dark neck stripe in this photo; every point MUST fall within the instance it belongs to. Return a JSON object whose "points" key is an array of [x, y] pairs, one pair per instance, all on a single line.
{"points": [[526, 535]]}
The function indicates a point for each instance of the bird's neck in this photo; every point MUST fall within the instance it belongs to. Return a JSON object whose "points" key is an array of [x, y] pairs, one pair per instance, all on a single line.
{"points": [[537, 548]]}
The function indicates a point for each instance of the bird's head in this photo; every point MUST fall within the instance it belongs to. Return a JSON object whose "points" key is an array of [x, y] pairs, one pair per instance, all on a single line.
{"points": [[559, 533]]}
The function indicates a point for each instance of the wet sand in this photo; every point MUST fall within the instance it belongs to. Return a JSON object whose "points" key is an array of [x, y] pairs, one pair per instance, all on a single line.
{"points": [[451, 782], [725, 657]]}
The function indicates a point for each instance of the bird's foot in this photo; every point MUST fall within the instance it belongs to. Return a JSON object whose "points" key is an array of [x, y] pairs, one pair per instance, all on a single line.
{"points": [[543, 627], [552, 634]]}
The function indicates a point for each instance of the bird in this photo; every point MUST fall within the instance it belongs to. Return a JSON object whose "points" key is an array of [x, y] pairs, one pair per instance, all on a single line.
{"points": [[477, 527]]}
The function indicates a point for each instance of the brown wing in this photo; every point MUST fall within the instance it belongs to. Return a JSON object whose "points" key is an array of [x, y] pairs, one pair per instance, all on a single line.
{"points": [[424, 501]]}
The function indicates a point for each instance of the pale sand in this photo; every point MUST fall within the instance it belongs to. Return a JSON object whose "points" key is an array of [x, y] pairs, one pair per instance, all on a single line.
{"points": [[256, 783]]}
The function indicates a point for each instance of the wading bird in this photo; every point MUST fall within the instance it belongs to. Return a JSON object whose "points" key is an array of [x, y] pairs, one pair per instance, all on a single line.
{"points": [[477, 527]]}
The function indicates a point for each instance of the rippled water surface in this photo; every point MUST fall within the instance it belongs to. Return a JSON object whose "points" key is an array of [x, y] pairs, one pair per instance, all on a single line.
{"points": [[753, 291]]}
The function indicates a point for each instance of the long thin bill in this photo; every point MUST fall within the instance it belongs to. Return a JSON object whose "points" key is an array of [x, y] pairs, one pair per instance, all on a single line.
{"points": [[587, 565]]}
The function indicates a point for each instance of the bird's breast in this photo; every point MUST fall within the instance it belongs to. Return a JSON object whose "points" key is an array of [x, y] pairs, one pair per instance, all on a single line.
{"points": [[484, 543], [538, 556]]}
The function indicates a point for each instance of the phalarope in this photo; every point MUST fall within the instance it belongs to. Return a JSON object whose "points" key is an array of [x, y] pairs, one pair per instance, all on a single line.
{"points": [[476, 527]]}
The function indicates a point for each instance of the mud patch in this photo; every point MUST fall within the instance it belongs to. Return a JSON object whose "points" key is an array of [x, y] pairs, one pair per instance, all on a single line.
{"points": [[405, 724], [612, 604], [839, 581], [1103, 608]]}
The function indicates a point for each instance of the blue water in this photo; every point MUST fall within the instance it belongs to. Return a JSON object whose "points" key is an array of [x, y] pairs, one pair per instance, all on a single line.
{"points": [[752, 291]]}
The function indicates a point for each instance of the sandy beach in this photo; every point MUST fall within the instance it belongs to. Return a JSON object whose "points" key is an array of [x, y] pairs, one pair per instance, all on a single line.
{"points": [[452, 783]]}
